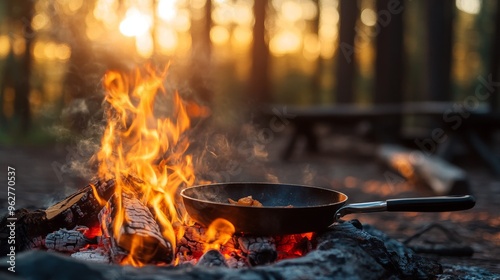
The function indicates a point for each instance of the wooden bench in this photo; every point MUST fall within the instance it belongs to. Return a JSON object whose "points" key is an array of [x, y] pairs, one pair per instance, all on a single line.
{"points": [[456, 121]]}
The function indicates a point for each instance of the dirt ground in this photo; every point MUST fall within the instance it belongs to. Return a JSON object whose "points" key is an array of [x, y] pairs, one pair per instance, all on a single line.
{"points": [[344, 164]]}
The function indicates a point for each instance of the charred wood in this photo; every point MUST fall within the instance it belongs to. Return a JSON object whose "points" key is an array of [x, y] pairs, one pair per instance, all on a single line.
{"points": [[258, 250], [138, 234], [191, 244], [191, 248], [97, 255], [244, 251], [81, 208], [212, 258], [294, 245], [70, 241]]}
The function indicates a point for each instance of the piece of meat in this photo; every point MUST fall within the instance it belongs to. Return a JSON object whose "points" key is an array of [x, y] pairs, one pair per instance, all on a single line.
{"points": [[246, 201]]}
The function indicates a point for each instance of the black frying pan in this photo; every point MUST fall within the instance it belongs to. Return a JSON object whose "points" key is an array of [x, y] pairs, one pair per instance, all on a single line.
{"points": [[313, 208]]}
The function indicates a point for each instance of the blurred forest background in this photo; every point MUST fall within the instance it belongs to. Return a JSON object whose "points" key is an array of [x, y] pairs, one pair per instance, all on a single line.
{"points": [[225, 52]]}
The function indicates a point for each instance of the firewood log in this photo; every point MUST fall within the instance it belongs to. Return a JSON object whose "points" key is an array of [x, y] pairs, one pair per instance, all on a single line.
{"points": [[71, 241], [441, 176], [139, 234], [80, 208]]}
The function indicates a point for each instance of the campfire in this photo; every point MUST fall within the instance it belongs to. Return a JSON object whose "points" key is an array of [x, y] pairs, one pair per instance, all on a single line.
{"points": [[133, 214]]}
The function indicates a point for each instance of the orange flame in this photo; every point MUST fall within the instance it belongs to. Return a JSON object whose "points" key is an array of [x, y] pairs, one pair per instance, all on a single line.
{"points": [[218, 233], [144, 148]]}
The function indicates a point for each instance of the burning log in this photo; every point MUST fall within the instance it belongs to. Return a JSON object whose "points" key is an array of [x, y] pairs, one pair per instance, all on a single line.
{"points": [[139, 237], [242, 251], [294, 245], [191, 245], [80, 208]]}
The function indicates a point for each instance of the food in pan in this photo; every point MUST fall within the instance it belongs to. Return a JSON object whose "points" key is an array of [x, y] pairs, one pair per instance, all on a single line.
{"points": [[246, 201], [249, 201]]}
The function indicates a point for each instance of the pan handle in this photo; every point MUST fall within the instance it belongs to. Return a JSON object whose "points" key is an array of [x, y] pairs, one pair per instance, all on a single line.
{"points": [[420, 204]]}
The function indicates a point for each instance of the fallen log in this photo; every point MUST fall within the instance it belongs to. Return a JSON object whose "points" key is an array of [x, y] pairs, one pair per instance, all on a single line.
{"points": [[139, 238], [81, 208], [441, 176]]}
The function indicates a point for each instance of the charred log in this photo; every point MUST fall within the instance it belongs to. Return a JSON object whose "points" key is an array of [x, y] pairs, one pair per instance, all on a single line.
{"points": [[294, 245], [70, 241], [138, 237], [81, 208], [258, 250], [97, 256], [191, 245], [212, 258]]}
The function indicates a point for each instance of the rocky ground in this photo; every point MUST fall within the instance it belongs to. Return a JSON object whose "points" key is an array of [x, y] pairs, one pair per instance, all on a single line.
{"points": [[344, 164]]}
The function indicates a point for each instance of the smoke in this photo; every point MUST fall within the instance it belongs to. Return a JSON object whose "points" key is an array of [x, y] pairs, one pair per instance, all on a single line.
{"points": [[223, 156], [221, 152]]}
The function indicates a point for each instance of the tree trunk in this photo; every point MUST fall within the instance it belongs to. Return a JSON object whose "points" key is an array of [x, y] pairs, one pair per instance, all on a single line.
{"points": [[349, 13], [495, 60], [259, 79], [439, 46], [201, 55], [389, 67]]}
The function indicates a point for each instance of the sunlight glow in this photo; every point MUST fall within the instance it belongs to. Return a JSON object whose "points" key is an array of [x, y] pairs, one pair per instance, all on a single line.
{"points": [[4, 45], [219, 35], [39, 21], [168, 40], [312, 47], [469, 6], [368, 17], [285, 42], [242, 36], [144, 45], [62, 52], [291, 10], [182, 21], [167, 9], [135, 23], [105, 11]]}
